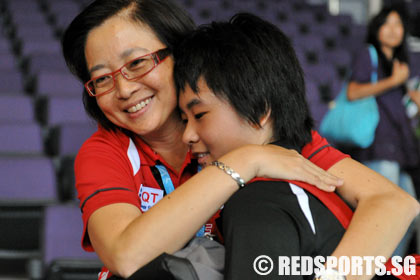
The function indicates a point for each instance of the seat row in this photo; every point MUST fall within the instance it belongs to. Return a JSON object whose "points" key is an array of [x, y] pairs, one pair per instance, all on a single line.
{"points": [[52, 249]]}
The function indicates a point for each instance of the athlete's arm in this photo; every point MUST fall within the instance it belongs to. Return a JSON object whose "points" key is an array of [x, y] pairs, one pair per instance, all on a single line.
{"points": [[125, 239], [382, 216]]}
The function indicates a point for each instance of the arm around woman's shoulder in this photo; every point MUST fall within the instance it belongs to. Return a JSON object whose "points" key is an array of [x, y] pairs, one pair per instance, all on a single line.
{"points": [[383, 211]]}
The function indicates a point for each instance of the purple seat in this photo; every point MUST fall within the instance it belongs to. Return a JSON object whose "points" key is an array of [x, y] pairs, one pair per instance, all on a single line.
{"points": [[26, 186], [345, 19], [28, 17], [47, 62], [358, 30], [304, 17], [8, 62], [62, 251], [63, 6], [320, 12], [318, 111], [209, 11], [256, 7], [20, 138], [62, 234], [310, 42], [301, 56], [355, 39], [61, 110], [16, 108], [279, 12], [290, 29], [11, 81], [27, 181], [32, 46], [58, 84], [325, 76], [310, 48], [67, 138], [27, 7], [312, 91], [36, 33], [73, 135], [4, 45], [341, 59], [64, 19], [64, 11], [281, 6], [341, 19], [326, 30], [321, 73]]}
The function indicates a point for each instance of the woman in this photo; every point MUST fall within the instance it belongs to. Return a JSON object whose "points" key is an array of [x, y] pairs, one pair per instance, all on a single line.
{"points": [[394, 147], [138, 144]]}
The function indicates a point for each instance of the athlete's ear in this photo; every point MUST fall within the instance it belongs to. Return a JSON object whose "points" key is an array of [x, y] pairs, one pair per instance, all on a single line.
{"points": [[265, 119]]}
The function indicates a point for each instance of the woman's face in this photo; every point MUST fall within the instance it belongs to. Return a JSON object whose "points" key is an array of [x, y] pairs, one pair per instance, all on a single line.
{"points": [[111, 45], [391, 33]]}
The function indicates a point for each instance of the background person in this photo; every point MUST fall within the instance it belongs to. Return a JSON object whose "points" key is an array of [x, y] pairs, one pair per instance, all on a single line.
{"points": [[394, 148]]}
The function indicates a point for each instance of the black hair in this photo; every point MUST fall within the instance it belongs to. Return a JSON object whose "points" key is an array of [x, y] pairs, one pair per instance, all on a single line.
{"points": [[168, 21], [400, 52], [250, 63]]}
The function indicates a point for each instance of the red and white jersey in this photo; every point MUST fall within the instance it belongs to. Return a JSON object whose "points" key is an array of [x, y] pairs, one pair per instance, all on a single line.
{"points": [[114, 168]]}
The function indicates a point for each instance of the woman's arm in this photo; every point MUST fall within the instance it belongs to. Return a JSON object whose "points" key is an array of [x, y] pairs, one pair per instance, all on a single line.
{"points": [[400, 73], [125, 239], [383, 212]]}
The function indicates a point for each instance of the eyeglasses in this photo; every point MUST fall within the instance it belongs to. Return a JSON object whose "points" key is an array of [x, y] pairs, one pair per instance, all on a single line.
{"points": [[134, 69]]}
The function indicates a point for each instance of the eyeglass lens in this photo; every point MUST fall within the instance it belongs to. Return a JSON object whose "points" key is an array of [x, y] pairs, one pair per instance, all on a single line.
{"points": [[130, 71]]}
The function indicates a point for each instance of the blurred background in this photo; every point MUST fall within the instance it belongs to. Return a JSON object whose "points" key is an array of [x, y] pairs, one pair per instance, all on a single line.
{"points": [[43, 123]]}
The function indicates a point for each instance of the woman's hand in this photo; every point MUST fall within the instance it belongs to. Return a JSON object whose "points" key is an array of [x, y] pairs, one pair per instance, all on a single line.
{"points": [[400, 72], [277, 162]]}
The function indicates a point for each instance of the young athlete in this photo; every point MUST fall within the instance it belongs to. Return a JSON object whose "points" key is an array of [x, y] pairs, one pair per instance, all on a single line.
{"points": [[240, 83]]}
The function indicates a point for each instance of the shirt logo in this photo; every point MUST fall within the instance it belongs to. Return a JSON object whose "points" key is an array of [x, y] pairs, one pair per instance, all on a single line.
{"points": [[149, 197]]}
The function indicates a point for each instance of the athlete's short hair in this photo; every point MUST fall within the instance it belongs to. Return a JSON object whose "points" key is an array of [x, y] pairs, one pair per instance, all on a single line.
{"points": [[250, 63]]}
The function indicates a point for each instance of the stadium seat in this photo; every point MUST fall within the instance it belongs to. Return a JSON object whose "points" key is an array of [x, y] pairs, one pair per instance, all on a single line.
{"points": [[326, 78], [58, 84], [16, 108], [47, 62], [20, 139], [57, 110], [62, 251], [11, 81], [67, 138], [28, 180], [27, 185]]}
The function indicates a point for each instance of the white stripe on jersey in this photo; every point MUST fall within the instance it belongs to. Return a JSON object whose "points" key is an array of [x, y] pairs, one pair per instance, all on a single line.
{"points": [[303, 200], [103, 275], [133, 156]]}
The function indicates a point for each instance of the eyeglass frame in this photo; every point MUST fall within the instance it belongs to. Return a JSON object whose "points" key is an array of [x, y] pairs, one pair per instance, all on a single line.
{"points": [[158, 57]]}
